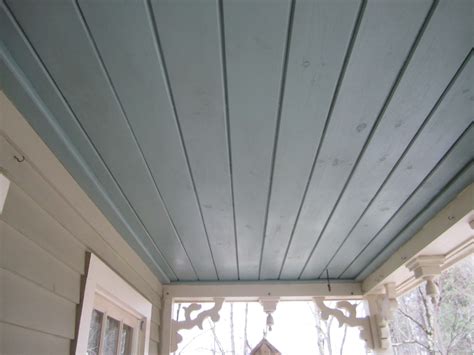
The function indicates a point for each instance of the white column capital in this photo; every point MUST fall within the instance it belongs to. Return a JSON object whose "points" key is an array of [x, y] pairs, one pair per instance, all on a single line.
{"points": [[269, 304], [426, 266]]}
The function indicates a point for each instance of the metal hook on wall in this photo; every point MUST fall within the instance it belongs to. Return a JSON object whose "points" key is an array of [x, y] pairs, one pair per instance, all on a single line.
{"points": [[20, 160]]}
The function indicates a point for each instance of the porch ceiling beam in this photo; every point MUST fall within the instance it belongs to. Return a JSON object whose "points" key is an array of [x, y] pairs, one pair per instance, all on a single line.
{"points": [[448, 234], [253, 291]]}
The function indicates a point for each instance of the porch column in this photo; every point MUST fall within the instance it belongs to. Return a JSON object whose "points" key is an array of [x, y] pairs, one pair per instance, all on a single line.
{"points": [[380, 309], [165, 326]]}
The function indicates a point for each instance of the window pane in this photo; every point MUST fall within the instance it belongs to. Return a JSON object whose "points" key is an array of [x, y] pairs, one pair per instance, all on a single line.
{"points": [[111, 336], [94, 333], [126, 342]]}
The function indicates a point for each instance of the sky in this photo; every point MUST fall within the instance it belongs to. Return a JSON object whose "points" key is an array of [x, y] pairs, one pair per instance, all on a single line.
{"points": [[294, 331]]}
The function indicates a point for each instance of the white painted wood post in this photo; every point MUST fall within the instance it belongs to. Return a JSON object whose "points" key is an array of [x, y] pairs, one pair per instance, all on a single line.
{"points": [[165, 338], [382, 343], [373, 327], [380, 309]]}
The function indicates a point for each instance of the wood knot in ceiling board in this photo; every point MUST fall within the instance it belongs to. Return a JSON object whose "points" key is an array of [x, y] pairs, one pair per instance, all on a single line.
{"points": [[262, 44], [361, 127], [306, 63]]}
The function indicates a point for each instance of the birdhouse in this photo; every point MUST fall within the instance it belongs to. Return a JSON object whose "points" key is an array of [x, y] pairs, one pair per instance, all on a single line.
{"points": [[265, 348]]}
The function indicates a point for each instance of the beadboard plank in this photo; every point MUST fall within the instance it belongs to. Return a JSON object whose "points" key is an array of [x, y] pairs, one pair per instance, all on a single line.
{"points": [[85, 85], [406, 112], [35, 94], [320, 38], [255, 44], [129, 51], [438, 189], [386, 34], [191, 30], [451, 118]]}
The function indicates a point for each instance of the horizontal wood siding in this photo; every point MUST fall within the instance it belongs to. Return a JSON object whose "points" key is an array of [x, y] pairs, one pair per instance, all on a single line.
{"points": [[44, 237], [22, 341], [23, 257], [27, 305]]}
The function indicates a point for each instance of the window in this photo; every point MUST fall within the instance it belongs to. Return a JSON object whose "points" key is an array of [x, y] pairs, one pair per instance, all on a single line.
{"points": [[113, 330], [115, 319]]}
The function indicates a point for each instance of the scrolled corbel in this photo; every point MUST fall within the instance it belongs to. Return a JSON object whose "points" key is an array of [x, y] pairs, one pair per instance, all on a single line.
{"points": [[189, 323], [350, 320]]}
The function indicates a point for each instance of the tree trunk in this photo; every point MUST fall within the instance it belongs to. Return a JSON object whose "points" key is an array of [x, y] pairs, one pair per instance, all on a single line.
{"points": [[177, 316], [328, 334], [341, 352], [246, 342], [232, 336]]}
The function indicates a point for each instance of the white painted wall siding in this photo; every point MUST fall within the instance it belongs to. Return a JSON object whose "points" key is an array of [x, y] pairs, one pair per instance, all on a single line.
{"points": [[47, 225]]}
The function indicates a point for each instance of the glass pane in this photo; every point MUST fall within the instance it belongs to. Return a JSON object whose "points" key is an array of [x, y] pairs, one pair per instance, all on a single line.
{"points": [[111, 336], [126, 343], [94, 333]]}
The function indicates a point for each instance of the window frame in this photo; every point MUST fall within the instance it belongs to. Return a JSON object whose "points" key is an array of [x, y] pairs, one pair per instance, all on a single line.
{"points": [[103, 281], [110, 309]]}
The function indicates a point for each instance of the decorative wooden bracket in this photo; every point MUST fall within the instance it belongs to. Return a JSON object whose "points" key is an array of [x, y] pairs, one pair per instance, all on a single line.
{"points": [[381, 308], [188, 323], [351, 320], [427, 268]]}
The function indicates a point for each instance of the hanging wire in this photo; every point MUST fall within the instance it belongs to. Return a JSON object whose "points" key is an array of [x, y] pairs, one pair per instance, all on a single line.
{"points": [[327, 278]]}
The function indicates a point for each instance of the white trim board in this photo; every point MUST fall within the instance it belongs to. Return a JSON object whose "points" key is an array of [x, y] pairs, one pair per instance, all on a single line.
{"points": [[253, 291], [4, 186], [100, 278]]}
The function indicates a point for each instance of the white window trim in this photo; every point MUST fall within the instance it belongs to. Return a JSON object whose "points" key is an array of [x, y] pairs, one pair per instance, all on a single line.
{"points": [[4, 186], [103, 280]]}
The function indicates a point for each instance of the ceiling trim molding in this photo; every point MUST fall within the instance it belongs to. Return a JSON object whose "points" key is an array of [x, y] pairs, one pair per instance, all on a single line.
{"points": [[448, 236], [253, 291]]}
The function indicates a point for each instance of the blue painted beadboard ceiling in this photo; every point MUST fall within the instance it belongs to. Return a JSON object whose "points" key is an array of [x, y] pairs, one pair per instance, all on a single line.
{"points": [[251, 140]]}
